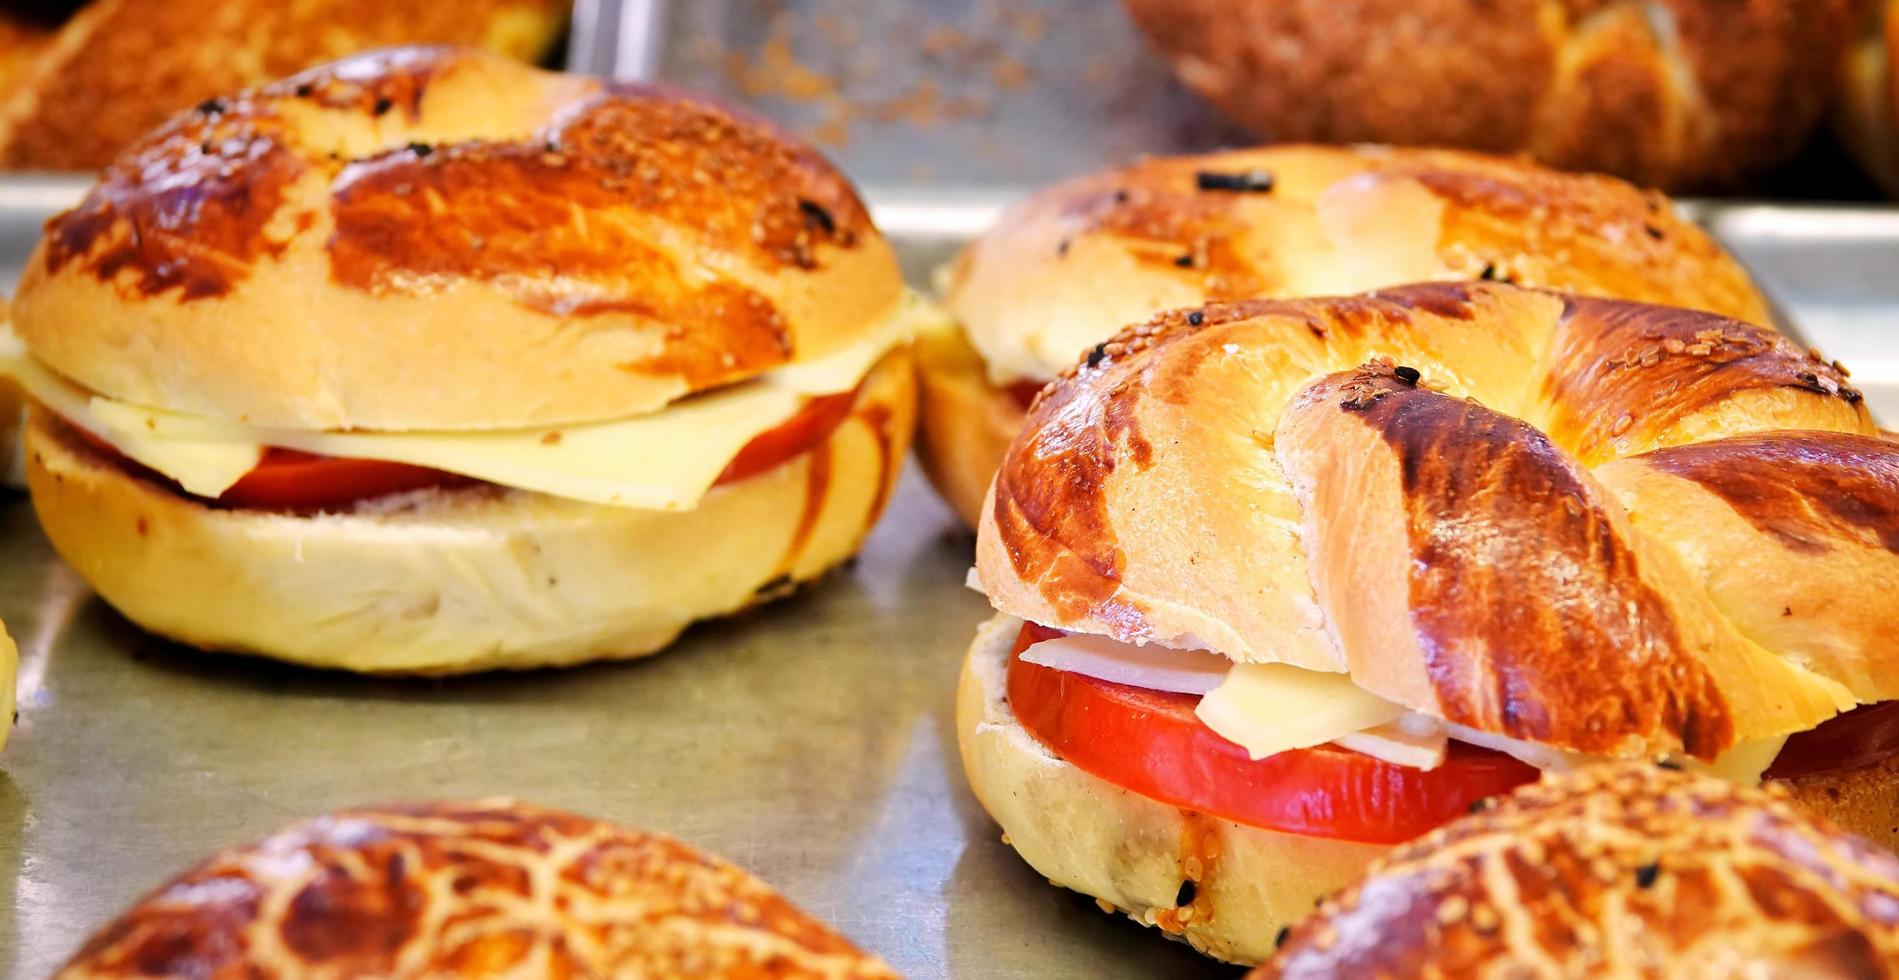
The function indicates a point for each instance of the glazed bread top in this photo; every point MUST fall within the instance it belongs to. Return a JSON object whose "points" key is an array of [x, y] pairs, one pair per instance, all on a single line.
{"points": [[1607, 527], [490, 888], [117, 68], [428, 238], [1073, 263], [1614, 871], [1670, 93]]}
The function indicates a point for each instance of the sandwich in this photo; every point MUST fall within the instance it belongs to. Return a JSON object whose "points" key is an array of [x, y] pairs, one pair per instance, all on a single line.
{"points": [[1614, 871], [1068, 267], [429, 362], [479, 889], [1282, 584]]}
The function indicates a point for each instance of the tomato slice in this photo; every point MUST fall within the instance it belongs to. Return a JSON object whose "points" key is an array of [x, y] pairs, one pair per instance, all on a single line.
{"points": [[1152, 743], [1860, 737], [288, 480]]}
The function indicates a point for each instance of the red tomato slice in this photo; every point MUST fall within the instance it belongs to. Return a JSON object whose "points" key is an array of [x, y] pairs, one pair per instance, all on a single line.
{"points": [[288, 480], [1152, 743]]}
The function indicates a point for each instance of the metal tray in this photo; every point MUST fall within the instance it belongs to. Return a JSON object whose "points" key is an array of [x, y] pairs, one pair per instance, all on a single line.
{"points": [[811, 741]]}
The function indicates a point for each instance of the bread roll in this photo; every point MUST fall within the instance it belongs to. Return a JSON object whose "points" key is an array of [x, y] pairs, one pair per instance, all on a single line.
{"points": [[119, 67], [1626, 870], [1678, 94], [476, 889], [1072, 264]]}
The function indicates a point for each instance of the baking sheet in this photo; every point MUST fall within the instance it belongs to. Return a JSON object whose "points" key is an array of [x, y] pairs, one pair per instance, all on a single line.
{"points": [[811, 741]]}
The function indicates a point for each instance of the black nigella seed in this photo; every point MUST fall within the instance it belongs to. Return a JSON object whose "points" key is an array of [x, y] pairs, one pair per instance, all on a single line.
{"points": [[1120, 197], [1196, 318], [1479, 805], [383, 105], [304, 90], [1184, 261], [1408, 375], [817, 215], [211, 107], [1280, 940], [421, 149], [1646, 874], [1489, 274], [1670, 765], [1185, 896], [1099, 354], [1062, 249], [1244, 182]]}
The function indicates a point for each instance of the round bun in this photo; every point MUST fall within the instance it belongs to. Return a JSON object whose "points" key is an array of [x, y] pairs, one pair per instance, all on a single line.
{"points": [[476, 578], [119, 67], [1128, 850], [483, 888], [1680, 93], [1067, 267], [1476, 499], [1627, 870], [428, 238], [1866, 113]]}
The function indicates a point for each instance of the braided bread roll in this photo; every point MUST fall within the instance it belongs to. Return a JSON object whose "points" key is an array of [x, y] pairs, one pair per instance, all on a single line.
{"points": [[119, 67], [1067, 267], [1675, 94], [488, 888], [1626, 870], [1589, 527]]}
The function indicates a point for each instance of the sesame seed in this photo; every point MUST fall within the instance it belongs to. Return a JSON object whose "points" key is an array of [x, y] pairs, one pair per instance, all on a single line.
{"points": [[1452, 910]]}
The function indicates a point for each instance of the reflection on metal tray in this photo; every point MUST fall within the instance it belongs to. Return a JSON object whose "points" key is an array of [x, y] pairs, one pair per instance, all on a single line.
{"points": [[811, 741]]}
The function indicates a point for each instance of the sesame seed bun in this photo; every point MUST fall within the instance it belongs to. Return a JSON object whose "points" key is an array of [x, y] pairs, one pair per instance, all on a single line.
{"points": [[1626, 870], [1074, 263], [483, 888], [443, 239]]}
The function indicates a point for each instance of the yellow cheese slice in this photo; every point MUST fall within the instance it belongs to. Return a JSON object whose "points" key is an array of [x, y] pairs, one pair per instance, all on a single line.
{"points": [[1272, 708], [1414, 741], [9, 678], [663, 461], [1744, 763]]}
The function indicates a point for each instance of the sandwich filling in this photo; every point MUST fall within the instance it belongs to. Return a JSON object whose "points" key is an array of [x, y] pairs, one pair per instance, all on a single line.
{"points": [[1308, 752], [667, 460]]}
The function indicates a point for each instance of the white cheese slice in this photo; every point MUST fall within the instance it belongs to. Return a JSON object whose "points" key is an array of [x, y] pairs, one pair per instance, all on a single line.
{"points": [[1272, 708], [667, 460], [1744, 763], [1401, 743], [1155, 668]]}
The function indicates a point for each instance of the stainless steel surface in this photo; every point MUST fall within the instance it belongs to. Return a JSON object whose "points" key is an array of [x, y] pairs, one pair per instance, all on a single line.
{"points": [[810, 741], [935, 92]]}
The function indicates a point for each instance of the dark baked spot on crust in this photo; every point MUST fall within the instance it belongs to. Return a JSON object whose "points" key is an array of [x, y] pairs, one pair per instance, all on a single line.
{"points": [[183, 212], [1168, 223], [357, 919], [1658, 365], [1521, 585], [1807, 489]]}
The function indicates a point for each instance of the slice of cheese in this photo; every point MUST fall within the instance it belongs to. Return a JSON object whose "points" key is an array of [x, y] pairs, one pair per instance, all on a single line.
{"points": [[1155, 668], [1401, 743], [1272, 708], [1744, 763], [664, 461]]}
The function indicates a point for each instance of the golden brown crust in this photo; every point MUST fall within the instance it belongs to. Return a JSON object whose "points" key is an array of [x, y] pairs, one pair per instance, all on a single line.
{"points": [[1078, 260], [467, 889], [1164, 491], [1676, 93], [1628, 870], [121, 66], [439, 212], [407, 584], [1866, 105], [1788, 532]]}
